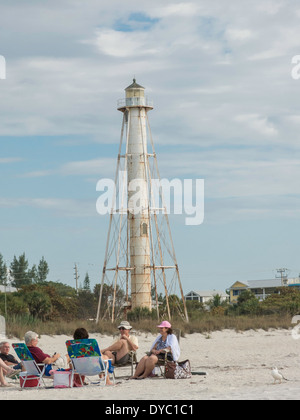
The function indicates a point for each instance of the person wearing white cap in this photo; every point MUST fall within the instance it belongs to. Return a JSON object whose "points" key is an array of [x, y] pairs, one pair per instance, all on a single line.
{"points": [[166, 341], [119, 350]]}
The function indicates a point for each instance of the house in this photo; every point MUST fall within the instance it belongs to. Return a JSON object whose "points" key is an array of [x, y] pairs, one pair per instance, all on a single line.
{"points": [[9, 289], [261, 288], [205, 296], [294, 282]]}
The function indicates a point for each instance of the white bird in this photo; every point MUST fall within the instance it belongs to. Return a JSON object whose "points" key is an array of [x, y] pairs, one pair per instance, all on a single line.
{"points": [[277, 375]]}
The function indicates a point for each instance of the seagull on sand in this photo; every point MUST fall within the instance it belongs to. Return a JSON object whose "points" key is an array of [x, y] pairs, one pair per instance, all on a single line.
{"points": [[277, 375]]}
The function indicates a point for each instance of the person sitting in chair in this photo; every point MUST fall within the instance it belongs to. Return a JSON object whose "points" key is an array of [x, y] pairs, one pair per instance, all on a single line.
{"points": [[8, 358], [31, 341], [166, 341], [79, 334], [119, 350]]}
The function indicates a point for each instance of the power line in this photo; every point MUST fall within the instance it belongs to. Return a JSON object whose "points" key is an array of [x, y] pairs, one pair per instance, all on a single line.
{"points": [[283, 275]]}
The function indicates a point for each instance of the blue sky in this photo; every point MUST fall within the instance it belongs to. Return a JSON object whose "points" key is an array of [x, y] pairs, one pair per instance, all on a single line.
{"points": [[226, 109]]}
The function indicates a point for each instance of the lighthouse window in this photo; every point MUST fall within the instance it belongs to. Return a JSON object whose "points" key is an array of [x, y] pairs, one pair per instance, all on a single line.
{"points": [[144, 229]]}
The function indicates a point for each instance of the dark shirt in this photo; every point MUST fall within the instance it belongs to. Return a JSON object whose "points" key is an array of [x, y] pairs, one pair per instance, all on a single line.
{"points": [[38, 355], [161, 344], [8, 358]]}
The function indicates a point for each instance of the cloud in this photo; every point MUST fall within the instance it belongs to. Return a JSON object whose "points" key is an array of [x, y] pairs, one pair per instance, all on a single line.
{"points": [[187, 52], [103, 167], [181, 9], [124, 44], [89, 167], [258, 123], [10, 160], [239, 35], [57, 206], [219, 75]]}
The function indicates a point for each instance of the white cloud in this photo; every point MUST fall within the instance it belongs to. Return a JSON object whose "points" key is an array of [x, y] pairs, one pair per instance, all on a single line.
{"points": [[57, 206], [239, 35], [10, 160], [187, 9], [101, 167], [258, 123], [206, 66], [124, 44], [89, 167]]}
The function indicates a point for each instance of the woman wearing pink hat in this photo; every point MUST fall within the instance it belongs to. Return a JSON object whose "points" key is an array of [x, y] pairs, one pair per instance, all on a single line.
{"points": [[166, 341]]}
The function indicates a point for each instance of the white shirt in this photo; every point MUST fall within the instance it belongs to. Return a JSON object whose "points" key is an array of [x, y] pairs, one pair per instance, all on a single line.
{"points": [[170, 342]]}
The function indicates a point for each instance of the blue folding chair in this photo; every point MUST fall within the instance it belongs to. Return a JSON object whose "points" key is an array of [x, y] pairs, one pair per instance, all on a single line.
{"points": [[86, 359], [33, 371]]}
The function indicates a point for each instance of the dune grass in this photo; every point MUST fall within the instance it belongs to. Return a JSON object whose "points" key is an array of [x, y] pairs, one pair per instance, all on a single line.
{"points": [[17, 326]]}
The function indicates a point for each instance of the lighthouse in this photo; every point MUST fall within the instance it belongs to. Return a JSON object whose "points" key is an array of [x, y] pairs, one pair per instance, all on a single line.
{"points": [[140, 262], [135, 111]]}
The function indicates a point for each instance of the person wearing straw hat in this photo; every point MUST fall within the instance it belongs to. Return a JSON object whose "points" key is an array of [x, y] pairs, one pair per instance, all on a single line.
{"points": [[166, 341], [119, 350]]}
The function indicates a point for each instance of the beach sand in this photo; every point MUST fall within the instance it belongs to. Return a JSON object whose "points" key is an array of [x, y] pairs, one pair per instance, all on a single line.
{"points": [[238, 367]]}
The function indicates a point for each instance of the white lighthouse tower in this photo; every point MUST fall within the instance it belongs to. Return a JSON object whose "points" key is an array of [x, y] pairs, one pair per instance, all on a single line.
{"points": [[135, 252], [135, 111]]}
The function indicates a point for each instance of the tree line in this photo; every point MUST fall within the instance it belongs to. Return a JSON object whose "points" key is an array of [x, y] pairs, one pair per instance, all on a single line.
{"points": [[47, 300], [284, 301], [52, 301], [19, 274]]}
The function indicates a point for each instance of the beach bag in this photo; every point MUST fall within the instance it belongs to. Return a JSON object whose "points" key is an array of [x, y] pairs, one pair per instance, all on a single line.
{"points": [[178, 370], [62, 378]]}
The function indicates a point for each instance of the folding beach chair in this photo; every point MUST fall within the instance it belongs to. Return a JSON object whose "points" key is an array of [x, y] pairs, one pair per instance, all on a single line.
{"points": [[86, 359], [131, 362], [162, 364], [33, 371]]}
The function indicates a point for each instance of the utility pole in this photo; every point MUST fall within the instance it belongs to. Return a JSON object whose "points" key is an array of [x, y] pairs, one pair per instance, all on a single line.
{"points": [[76, 277], [5, 286], [283, 275]]}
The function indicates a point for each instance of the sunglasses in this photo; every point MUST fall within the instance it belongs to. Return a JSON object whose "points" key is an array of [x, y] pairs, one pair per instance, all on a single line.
{"points": [[122, 328]]}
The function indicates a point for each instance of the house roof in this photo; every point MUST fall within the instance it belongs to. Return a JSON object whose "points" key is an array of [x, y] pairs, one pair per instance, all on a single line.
{"points": [[259, 284], [207, 293]]}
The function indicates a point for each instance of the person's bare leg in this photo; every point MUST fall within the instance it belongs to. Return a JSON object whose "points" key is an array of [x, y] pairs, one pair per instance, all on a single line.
{"points": [[108, 381], [115, 346], [4, 370], [149, 366], [121, 347], [140, 368], [109, 355], [2, 380]]}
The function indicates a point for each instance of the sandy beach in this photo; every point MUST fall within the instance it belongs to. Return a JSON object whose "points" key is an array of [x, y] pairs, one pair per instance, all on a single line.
{"points": [[238, 367]]}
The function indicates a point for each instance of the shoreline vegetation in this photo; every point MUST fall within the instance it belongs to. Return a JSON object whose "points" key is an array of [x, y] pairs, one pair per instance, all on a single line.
{"points": [[17, 326], [54, 308]]}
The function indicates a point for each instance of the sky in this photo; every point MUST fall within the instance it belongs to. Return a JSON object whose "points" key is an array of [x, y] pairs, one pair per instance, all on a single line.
{"points": [[226, 110]]}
